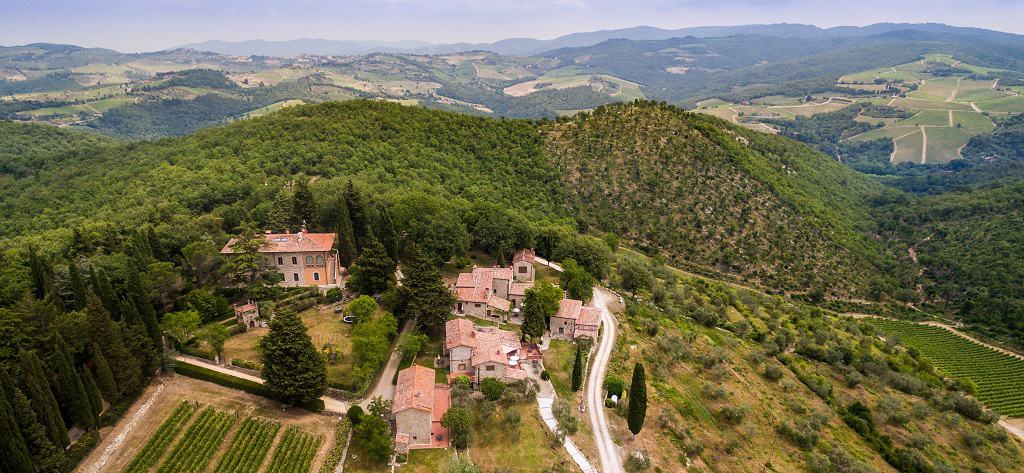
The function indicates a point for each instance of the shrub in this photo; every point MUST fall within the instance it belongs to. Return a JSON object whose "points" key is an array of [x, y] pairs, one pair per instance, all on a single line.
{"points": [[613, 384], [568, 424], [244, 364], [492, 389], [544, 375], [712, 391], [354, 414], [734, 414], [773, 372]]}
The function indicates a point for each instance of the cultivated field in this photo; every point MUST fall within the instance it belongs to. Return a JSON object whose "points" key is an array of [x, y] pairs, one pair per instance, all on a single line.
{"points": [[999, 376]]}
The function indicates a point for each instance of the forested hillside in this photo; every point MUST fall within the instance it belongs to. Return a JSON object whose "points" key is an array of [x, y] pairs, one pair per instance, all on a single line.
{"points": [[720, 197]]}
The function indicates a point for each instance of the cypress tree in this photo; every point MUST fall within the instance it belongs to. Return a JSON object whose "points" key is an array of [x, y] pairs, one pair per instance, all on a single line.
{"points": [[139, 344], [303, 204], [357, 212], [78, 289], [14, 454], [104, 376], [68, 387], [346, 237], [140, 250], [38, 272], [577, 370], [292, 366], [427, 300], [107, 335], [92, 392], [105, 291], [138, 296], [52, 295], [373, 269], [637, 408], [155, 247], [386, 230], [36, 384], [45, 455]]}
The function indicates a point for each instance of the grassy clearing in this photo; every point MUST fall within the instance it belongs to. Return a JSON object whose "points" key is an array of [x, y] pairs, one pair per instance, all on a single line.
{"points": [[558, 361], [944, 144], [916, 105], [882, 133], [940, 89], [259, 112], [977, 91]]}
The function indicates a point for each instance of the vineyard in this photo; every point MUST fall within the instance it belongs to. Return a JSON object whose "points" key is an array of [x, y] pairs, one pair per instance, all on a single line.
{"points": [[295, 452], [161, 439], [999, 377], [194, 451], [248, 447]]}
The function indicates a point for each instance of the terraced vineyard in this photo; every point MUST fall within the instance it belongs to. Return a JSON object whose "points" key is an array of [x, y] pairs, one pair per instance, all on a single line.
{"points": [[199, 443], [162, 438], [248, 447], [999, 377], [295, 452]]}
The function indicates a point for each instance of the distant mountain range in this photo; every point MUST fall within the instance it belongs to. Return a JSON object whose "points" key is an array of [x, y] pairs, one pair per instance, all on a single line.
{"points": [[532, 46]]}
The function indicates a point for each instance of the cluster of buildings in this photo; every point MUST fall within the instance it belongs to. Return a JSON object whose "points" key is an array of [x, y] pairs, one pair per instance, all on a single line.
{"points": [[496, 294]]}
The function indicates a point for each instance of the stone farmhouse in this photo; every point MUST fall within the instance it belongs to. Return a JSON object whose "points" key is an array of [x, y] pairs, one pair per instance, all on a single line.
{"points": [[418, 407], [495, 293], [482, 352], [573, 320], [248, 315], [303, 258]]}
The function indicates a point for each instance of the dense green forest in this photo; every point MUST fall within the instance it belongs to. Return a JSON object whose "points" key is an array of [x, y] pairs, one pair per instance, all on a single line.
{"points": [[722, 198]]}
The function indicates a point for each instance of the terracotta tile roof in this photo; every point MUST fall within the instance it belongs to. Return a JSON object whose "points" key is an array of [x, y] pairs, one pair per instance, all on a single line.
{"points": [[442, 401], [472, 294], [525, 254], [414, 390], [290, 242], [459, 333], [466, 280], [499, 303], [589, 316], [569, 309], [488, 349], [519, 288], [515, 374]]}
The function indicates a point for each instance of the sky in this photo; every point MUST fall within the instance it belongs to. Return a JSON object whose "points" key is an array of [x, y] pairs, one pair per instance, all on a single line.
{"points": [[147, 25]]}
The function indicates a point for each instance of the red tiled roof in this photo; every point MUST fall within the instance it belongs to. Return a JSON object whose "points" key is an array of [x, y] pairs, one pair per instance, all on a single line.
{"points": [[589, 316], [519, 288], [488, 349], [414, 390], [525, 254], [290, 243], [472, 294], [569, 309], [499, 303], [459, 333], [467, 280]]}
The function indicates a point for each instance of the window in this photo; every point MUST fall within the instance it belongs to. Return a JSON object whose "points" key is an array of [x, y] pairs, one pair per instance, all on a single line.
{"points": [[462, 367], [295, 276], [319, 260], [561, 329], [280, 261], [476, 305], [490, 368], [309, 260], [295, 260], [316, 276], [522, 269]]}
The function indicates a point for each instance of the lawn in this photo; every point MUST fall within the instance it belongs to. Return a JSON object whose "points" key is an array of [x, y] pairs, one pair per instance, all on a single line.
{"points": [[558, 361], [324, 327], [944, 144]]}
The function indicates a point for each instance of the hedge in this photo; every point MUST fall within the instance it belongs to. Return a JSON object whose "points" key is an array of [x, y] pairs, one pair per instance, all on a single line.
{"points": [[228, 381]]}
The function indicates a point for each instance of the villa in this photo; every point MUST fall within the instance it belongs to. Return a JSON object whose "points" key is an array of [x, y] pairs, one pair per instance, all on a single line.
{"points": [[303, 258]]}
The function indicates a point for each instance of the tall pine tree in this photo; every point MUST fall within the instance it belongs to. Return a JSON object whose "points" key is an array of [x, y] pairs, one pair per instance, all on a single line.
{"points": [[14, 454], [68, 387], [346, 235], [104, 376], [386, 232], [107, 335], [37, 268], [372, 271], [46, 456], [102, 288], [93, 392], [292, 367], [37, 386], [577, 370], [78, 289], [139, 297], [304, 210], [426, 299], [358, 212], [637, 408]]}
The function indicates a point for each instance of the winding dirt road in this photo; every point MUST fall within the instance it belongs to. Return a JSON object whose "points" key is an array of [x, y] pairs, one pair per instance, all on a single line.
{"points": [[608, 451]]}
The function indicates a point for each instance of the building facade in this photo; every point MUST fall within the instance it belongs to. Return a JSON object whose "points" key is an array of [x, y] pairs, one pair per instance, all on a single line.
{"points": [[303, 258]]}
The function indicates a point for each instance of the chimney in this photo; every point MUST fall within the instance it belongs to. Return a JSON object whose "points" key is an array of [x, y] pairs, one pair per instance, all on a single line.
{"points": [[266, 232]]}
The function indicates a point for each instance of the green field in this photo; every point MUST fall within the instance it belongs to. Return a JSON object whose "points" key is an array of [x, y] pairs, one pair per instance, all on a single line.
{"points": [[917, 104], [248, 446], [199, 443], [999, 377], [1013, 104], [928, 118], [908, 148], [977, 90], [881, 133], [295, 452], [944, 143], [973, 122], [162, 438], [941, 89]]}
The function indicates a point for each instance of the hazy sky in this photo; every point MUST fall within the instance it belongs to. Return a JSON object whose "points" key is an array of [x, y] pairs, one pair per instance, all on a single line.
{"points": [[143, 25]]}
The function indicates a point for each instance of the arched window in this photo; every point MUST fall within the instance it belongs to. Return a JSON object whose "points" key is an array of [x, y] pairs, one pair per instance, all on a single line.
{"points": [[316, 276], [319, 260], [309, 260]]}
